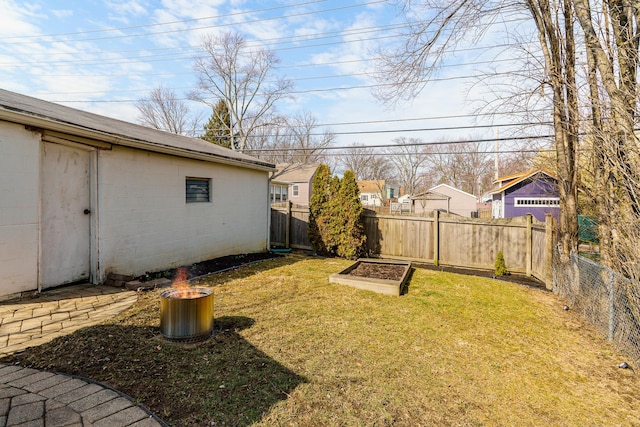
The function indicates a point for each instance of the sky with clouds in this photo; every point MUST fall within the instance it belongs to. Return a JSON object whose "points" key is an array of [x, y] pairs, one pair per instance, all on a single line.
{"points": [[103, 55]]}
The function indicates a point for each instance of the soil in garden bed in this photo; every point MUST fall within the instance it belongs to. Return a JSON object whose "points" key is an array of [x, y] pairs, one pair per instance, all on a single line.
{"points": [[378, 271]]}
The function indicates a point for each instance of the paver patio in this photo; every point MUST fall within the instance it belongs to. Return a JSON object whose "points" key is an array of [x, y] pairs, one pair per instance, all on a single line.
{"points": [[34, 321], [38, 398]]}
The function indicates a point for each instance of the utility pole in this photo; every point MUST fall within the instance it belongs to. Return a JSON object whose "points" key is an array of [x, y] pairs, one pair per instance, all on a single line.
{"points": [[496, 156]]}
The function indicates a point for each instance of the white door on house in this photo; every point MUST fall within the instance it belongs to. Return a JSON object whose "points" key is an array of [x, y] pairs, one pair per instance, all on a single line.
{"points": [[65, 231]]}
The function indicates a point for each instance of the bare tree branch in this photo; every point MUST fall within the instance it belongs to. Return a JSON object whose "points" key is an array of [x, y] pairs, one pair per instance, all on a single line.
{"points": [[409, 161], [164, 110], [243, 78]]}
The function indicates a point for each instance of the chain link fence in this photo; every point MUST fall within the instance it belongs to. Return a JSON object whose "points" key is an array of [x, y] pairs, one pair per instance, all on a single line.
{"points": [[608, 300]]}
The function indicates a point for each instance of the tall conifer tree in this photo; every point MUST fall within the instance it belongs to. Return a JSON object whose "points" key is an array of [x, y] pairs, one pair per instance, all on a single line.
{"points": [[218, 128], [317, 208], [335, 215], [352, 238]]}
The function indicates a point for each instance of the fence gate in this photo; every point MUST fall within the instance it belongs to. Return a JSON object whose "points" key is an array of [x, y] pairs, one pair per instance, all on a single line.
{"points": [[289, 226]]}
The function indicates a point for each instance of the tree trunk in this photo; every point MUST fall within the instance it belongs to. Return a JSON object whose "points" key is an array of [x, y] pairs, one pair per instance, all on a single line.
{"points": [[556, 39]]}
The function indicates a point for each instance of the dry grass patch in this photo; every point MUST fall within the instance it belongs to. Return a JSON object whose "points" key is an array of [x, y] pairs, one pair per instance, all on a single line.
{"points": [[293, 349]]}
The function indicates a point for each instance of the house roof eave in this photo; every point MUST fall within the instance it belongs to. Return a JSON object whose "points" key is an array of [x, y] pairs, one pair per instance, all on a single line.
{"points": [[435, 194], [70, 130], [522, 178], [452, 188]]}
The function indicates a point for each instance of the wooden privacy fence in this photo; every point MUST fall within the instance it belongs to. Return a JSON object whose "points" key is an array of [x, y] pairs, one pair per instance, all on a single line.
{"points": [[289, 225], [441, 239], [457, 241]]}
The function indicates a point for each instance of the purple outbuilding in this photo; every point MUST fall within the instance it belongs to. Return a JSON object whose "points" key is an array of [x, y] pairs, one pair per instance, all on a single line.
{"points": [[534, 192]]}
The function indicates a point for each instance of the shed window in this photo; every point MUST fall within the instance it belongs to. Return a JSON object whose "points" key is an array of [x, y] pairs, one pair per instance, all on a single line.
{"points": [[295, 191], [364, 197], [198, 190]]}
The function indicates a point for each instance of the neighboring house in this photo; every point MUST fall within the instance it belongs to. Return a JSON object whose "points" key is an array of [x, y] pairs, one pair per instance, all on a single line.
{"points": [[406, 198], [82, 195], [446, 198], [371, 192], [292, 181], [401, 205], [390, 193], [534, 192]]}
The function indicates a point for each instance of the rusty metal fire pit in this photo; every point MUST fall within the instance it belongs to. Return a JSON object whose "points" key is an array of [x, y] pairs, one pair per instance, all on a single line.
{"points": [[186, 314]]}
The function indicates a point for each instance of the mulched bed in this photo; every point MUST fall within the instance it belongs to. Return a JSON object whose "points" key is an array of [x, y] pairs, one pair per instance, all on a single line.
{"points": [[378, 271], [520, 279], [210, 266]]}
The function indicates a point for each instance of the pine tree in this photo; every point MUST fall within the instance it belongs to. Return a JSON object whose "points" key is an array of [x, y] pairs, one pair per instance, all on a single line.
{"points": [[333, 213], [317, 208], [218, 128], [351, 238], [500, 265]]}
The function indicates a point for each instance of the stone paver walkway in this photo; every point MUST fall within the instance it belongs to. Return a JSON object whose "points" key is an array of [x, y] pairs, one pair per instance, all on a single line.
{"points": [[61, 311], [29, 397]]}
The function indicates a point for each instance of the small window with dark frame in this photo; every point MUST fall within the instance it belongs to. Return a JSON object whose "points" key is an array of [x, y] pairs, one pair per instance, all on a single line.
{"points": [[198, 190]]}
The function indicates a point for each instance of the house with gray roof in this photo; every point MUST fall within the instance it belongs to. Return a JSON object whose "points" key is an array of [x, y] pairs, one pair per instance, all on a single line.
{"points": [[292, 182], [445, 198], [83, 195]]}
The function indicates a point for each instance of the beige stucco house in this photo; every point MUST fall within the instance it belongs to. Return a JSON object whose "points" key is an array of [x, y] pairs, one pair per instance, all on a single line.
{"points": [[82, 195], [292, 182], [445, 198]]}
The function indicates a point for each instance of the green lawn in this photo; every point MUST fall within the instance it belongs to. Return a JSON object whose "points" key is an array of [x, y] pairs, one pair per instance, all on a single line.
{"points": [[296, 350]]}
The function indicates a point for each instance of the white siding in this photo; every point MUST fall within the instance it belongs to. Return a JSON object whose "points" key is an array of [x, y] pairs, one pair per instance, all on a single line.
{"points": [[19, 208], [140, 219], [373, 199], [303, 193], [145, 224]]}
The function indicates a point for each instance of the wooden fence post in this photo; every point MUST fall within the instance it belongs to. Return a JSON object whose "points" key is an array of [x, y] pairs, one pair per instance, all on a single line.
{"points": [[529, 245], [436, 237], [287, 227], [548, 253]]}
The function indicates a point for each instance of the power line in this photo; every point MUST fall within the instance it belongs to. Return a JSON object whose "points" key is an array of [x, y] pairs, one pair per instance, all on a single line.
{"points": [[319, 64], [437, 129], [229, 24], [455, 116], [158, 24], [192, 50], [413, 119], [408, 144], [319, 152], [307, 36], [292, 92], [251, 43]]}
